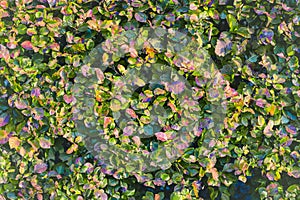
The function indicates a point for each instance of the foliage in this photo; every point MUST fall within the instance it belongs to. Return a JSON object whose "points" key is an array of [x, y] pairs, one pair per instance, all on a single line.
{"points": [[255, 44]]}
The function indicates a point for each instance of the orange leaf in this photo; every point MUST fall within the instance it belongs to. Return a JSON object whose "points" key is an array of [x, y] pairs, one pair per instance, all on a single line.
{"points": [[272, 109], [195, 189], [157, 197]]}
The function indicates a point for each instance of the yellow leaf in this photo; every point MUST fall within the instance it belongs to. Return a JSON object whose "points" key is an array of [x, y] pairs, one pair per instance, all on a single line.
{"points": [[139, 82], [242, 178], [277, 176], [3, 134], [22, 151], [14, 142]]}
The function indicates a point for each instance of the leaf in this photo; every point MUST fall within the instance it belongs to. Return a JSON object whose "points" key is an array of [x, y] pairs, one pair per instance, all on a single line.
{"points": [[128, 130], [107, 121], [291, 129], [293, 63], [253, 58], [165, 177], [21, 104], [37, 113], [14, 142], [213, 193], [243, 178], [244, 32], [195, 189], [215, 174], [44, 143], [232, 22], [161, 136], [27, 45], [115, 105], [176, 196], [271, 109], [40, 168], [131, 113], [268, 129], [148, 130], [68, 98], [4, 53], [293, 188], [139, 82], [156, 197], [176, 87], [223, 47], [261, 120], [220, 48], [3, 136], [4, 119], [100, 75], [141, 17], [295, 172]]}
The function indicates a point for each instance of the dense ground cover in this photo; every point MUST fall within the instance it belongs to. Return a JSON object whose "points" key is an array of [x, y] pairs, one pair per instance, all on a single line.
{"points": [[254, 44]]}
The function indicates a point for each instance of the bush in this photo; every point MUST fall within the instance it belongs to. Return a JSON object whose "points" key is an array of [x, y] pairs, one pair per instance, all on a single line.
{"points": [[254, 44]]}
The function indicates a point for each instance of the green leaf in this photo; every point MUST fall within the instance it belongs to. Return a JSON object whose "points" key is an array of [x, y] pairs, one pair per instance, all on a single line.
{"points": [[232, 22], [293, 63], [22, 29], [244, 32], [293, 188], [261, 120], [90, 44], [175, 196], [213, 193], [165, 177], [290, 50], [253, 58]]}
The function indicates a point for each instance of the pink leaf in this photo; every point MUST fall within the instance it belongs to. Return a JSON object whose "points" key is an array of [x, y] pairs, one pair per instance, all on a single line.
{"points": [[161, 136], [4, 53], [215, 174], [261, 103], [176, 87], [35, 92], [136, 140], [291, 129], [38, 113], [220, 48], [40, 168], [128, 130], [4, 4], [68, 98], [27, 45], [140, 17], [54, 46], [100, 75], [131, 113], [20, 104]]}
